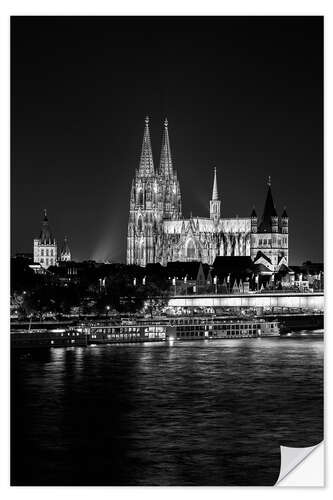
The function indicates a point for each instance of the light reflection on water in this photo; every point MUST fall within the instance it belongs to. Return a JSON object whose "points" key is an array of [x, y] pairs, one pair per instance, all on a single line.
{"points": [[206, 413]]}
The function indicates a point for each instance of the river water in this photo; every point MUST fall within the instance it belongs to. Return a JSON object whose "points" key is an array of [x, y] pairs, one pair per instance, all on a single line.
{"points": [[191, 413]]}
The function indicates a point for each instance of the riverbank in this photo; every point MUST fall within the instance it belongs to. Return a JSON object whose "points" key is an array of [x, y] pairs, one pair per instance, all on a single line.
{"points": [[159, 329]]}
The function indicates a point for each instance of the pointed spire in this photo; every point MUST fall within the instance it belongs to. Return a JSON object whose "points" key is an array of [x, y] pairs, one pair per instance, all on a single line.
{"points": [[65, 246], [65, 242], [284, 213], [215, 196], [253, 213], [46, 234], [65, 253], [166, 168], [146, 166], [269, 211]]}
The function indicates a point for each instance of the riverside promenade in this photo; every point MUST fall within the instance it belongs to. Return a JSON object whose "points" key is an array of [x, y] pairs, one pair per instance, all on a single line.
{"points": [[313, 301]]}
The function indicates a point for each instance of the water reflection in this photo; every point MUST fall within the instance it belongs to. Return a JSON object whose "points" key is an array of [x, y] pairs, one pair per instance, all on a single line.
{"points": [[190, 413]]}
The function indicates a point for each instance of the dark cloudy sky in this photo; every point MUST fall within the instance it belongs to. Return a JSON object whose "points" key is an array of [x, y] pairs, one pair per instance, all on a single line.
{"points": [[242, 94]]}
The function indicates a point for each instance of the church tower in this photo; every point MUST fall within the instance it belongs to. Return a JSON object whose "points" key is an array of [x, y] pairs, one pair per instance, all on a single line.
{"points": [[145, 207], [45, 247], [271, 238], [65, 254], [168, 182], [215, 202]]}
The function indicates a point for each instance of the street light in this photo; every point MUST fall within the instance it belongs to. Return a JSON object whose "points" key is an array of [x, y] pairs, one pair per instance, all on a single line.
{"points": [[257, 280]]}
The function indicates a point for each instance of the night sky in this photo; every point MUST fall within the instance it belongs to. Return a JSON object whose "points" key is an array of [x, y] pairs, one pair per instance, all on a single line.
{"points": [[242, 94]]}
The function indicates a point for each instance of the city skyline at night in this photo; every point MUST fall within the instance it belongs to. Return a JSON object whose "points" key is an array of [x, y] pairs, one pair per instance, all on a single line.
{"points": [[243, 95]]}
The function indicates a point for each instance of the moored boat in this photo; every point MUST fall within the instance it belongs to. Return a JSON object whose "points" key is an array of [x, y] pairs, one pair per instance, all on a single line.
{"points": [[158, 330], [222, 328]]}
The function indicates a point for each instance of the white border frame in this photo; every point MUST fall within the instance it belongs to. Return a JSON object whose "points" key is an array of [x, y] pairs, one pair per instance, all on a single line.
{"points": [[145, 7]]}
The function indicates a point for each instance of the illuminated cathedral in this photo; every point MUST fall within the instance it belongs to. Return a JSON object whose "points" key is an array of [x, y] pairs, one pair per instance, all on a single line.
{"points": [[158, 233]]}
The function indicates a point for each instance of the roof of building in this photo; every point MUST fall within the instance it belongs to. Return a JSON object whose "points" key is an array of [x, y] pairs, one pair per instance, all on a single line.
{"points": [[260, 255], [261, 268], [65, 247], [283, 270], [265, 225], [46, 236], [253, 213], [181, 269], [237, 265], [313, 267], [309, 268], [284, 214], [207, 225]]}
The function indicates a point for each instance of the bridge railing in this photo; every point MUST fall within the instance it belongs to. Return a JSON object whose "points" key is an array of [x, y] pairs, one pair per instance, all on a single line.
{"points": [[222, 290]]}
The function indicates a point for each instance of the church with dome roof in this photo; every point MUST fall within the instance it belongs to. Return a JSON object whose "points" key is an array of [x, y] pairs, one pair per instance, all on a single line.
{"points": [[158, 232]]}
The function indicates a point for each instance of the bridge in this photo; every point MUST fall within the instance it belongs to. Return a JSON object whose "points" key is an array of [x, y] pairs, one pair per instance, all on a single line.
{"points": [[300, 300]]}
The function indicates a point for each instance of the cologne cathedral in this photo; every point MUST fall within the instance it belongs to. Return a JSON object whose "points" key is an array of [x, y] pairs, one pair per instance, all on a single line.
{"points": [[158, 233]]}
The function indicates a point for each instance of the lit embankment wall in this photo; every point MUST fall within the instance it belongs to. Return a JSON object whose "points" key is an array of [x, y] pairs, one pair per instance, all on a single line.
{"points": [[313, 301]]}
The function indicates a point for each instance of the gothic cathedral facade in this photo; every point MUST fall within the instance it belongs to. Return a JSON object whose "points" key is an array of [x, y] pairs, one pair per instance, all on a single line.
{"points": [[158, 233]]}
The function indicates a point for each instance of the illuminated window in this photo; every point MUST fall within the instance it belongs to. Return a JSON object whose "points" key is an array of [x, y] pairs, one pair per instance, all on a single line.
{"points": [[190, 251], [140, 197], [140, 223]]}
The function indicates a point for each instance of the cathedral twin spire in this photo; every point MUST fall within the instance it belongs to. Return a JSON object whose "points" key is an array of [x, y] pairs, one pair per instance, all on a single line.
{"points": [[166, 168], [146, 165]]}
